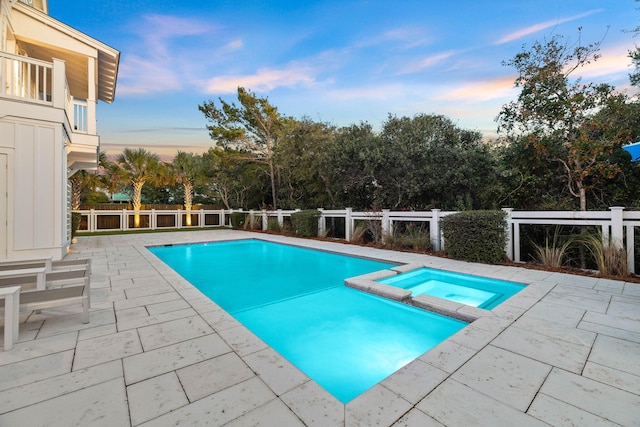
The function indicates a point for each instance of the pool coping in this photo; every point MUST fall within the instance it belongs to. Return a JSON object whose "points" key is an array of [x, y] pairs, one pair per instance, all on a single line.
{"points": [[557, 351]]}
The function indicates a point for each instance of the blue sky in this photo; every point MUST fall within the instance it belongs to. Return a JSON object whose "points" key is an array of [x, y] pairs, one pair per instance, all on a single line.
{"points": [[341, 62]]}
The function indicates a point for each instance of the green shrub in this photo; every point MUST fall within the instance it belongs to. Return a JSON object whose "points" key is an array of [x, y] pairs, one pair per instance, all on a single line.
{"points": [[475, 236], [273, 225], [238, 219], [76, 218], [305, 223]]}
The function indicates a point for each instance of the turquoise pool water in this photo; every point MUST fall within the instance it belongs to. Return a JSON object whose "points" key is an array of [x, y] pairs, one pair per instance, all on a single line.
{"points": [[295, 300], [467, 289]]}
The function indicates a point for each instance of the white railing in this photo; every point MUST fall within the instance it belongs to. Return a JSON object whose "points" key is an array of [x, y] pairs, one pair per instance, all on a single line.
{"points": [[26, 78], [616, 224], [79, 115]]}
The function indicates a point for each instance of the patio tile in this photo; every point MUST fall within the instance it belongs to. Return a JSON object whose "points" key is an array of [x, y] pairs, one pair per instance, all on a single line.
{"points": [[37, 369], [153, 397], [448, 356], [570, 299], [610, 331], [220, 319], [212, 375], [276, 371], [220, 408], [474, 337], [167, 306], [377, 406], [35, 392], [455, 404], [104, 404], [140, 322], [631, 289], [592, 396], [273, 413], [242, 340], [137, 292], [624, 309], [106, 348], [147, 300], [314, 405], [72, 323], [415, 418], [173, 331], [556, 331], [615, 322], [613, 377], [98, 331], [510, 378], [40, 347], [132, 313], [550, 350], [548, 311], [414, 381], [164, 359], [559, 414], [616, 353]]}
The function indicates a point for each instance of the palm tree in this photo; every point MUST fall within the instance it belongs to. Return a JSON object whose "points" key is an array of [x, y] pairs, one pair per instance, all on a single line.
{"points": [[189, 171], [139, 166]]}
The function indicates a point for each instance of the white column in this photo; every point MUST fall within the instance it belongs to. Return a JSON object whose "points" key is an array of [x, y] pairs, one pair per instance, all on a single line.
{"points": [[511, 235], [434, 230], [348, 224], [91, 97], [617, 226], [58, 90]]}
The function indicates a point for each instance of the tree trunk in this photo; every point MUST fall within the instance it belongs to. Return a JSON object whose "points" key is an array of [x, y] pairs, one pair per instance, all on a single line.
{"points": [[137, 202], [274, 192], [188, 199]]}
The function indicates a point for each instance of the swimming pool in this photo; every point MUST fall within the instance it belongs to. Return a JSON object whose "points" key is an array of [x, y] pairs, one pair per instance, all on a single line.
{"points": [[466, 289], [295, 300]]}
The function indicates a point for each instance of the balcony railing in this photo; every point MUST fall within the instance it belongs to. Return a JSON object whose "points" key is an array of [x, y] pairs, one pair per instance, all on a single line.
{"points": [[28, 79]]}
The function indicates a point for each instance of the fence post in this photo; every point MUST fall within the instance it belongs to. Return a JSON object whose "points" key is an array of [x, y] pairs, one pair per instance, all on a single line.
{"points": [[509, 244], [348, 224], [385, 225], [321, 223], [222, 221], [434, 229], [201, 218], [153, 221], [265, 220], [124, 220], [91, 221], [631, 253], [280, 219], [617, 227]]}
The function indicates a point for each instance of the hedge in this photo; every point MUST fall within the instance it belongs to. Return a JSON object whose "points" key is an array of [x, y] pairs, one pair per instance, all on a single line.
{"points": [[475, 236], [305, 223]]}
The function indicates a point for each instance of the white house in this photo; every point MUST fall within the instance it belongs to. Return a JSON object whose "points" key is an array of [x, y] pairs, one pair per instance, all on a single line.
{"points": [[51, 78]]}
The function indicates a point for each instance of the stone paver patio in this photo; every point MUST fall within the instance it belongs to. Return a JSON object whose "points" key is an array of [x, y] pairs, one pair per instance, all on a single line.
{"points": [[563, 352]]}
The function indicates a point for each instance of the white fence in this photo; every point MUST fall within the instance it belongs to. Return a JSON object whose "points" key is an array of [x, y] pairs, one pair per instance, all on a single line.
{"points": [[617, 225]]}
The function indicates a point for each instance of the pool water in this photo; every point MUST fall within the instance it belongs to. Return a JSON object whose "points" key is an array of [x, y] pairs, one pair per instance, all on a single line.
{"points": [[295, 300], [466, 289]]}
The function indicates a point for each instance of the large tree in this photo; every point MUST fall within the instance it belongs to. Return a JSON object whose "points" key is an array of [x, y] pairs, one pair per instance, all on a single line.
{"points": [[188, 170], [555, 113], [304, 166], [139, 166], [254, 126]]}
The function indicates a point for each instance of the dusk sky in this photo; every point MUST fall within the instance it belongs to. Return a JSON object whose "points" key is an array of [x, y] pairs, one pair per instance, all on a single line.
{"points": [[341, 62]]}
